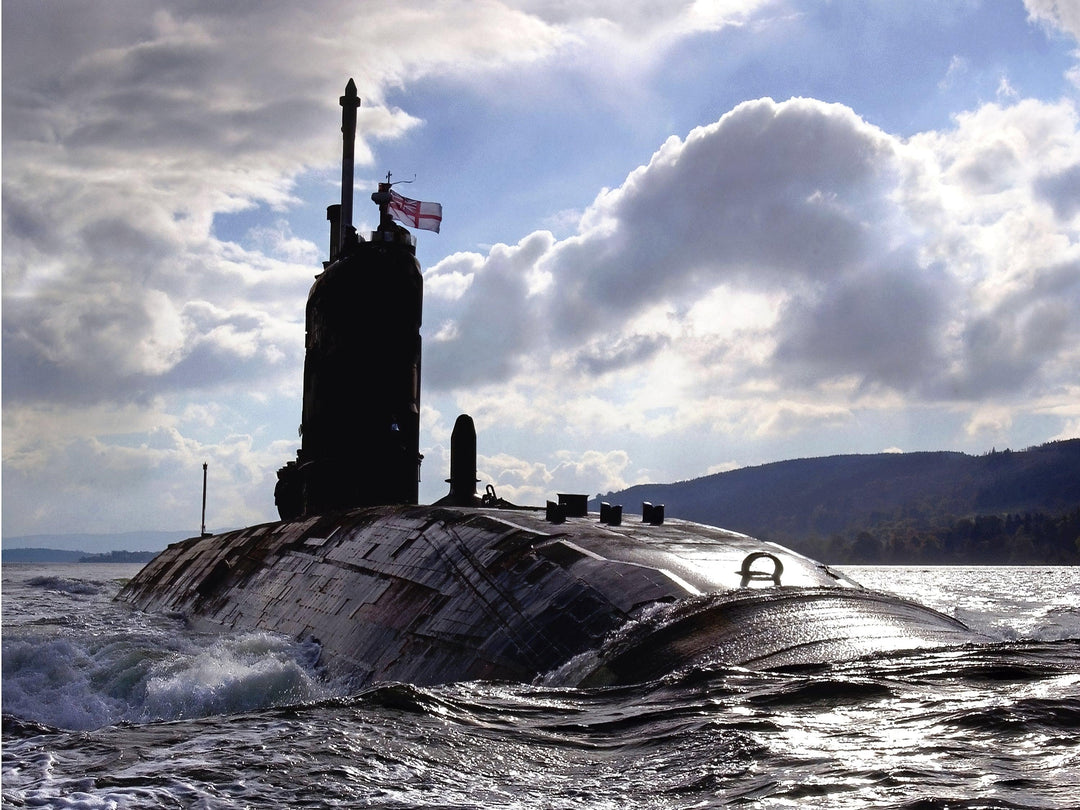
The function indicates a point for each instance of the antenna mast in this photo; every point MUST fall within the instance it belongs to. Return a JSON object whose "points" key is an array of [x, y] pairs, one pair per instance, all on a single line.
{"points": [[349, 104], [202, 531]]}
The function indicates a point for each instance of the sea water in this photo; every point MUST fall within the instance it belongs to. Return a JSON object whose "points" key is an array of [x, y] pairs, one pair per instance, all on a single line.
{"points": [[106, 707]]}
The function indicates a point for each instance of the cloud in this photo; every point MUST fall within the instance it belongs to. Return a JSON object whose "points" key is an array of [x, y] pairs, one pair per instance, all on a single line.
{"points": [[526, 482], [1026, 341], [1061, 189], [100, 480], [637, 22], [126, 133], [883, 326], [1064, 14], [771, 197], [279, 242], [958, 68], [494, 326], [790, 247], [770, 193], [631, 350]]}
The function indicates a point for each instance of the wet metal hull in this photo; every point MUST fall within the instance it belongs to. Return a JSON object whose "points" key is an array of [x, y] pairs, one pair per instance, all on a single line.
{"points": [[437, 594]]}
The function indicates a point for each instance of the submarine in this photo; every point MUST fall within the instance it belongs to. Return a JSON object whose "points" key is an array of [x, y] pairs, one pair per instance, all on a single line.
{"points": [[473, 587]]}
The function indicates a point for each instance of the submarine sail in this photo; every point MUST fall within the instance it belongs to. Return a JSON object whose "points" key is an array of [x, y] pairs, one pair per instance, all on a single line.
{"points": [[360, 427], [476, 588]]}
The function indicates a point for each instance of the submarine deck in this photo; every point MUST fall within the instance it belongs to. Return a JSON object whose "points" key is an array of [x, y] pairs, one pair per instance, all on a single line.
{"points": [[435, 594]]}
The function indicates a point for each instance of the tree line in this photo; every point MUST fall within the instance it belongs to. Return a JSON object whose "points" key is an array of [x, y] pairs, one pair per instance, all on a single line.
{"points": [[1031, 538]]}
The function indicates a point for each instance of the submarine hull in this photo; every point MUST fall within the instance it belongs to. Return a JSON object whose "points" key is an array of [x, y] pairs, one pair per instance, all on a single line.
{"points": [[464, 590], [431, 595]]}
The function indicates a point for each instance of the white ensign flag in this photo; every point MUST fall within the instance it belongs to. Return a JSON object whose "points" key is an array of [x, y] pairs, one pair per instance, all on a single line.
{"points": [[426, 215]]}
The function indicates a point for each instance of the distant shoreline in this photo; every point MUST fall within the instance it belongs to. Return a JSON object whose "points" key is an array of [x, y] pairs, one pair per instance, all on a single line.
{"points": [[102, 547], [57, 555]]}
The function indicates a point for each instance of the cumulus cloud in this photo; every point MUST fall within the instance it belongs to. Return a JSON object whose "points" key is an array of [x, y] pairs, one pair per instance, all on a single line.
{"points": [[769, 194], [530, 482], [100, 480], [638, 21], [771, 197], [789, 247], [867, 241], [1060, 15], [486, 324], [1063, 14], [1061, 189], [883, 325]]}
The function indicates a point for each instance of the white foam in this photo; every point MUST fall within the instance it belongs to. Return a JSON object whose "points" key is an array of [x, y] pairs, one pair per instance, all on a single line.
{"points": [[85, 682], [233, 675], [51, 681], [66, 585]]}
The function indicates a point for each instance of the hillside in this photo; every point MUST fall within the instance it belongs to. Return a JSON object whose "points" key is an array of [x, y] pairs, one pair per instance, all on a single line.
{"points": [[39, 555], [1004, 507], [58, 555], [16, 548]]}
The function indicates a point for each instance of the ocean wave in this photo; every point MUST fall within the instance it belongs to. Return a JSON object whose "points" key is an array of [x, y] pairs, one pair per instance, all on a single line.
{"points": [[90, 682], [252, 671], [915, 730], [1025, 717], [81, 587]]}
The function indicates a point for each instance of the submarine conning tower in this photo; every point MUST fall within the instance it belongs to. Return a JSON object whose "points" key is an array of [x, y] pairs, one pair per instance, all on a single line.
{"points": [[360, 428]]}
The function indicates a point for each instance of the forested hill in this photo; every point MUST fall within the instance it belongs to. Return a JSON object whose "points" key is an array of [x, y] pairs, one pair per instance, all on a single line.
{"points": [[1002, 507]]}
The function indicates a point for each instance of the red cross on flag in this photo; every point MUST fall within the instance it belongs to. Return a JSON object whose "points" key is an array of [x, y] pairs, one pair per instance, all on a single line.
{"points": [[425, 215]]}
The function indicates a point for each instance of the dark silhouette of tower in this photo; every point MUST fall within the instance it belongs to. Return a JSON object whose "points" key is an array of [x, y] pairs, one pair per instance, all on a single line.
{"points": [[361, 414]]}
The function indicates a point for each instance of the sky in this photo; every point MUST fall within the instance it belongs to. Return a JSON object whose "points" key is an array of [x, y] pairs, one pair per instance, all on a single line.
{"points": [[678, 238]]}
